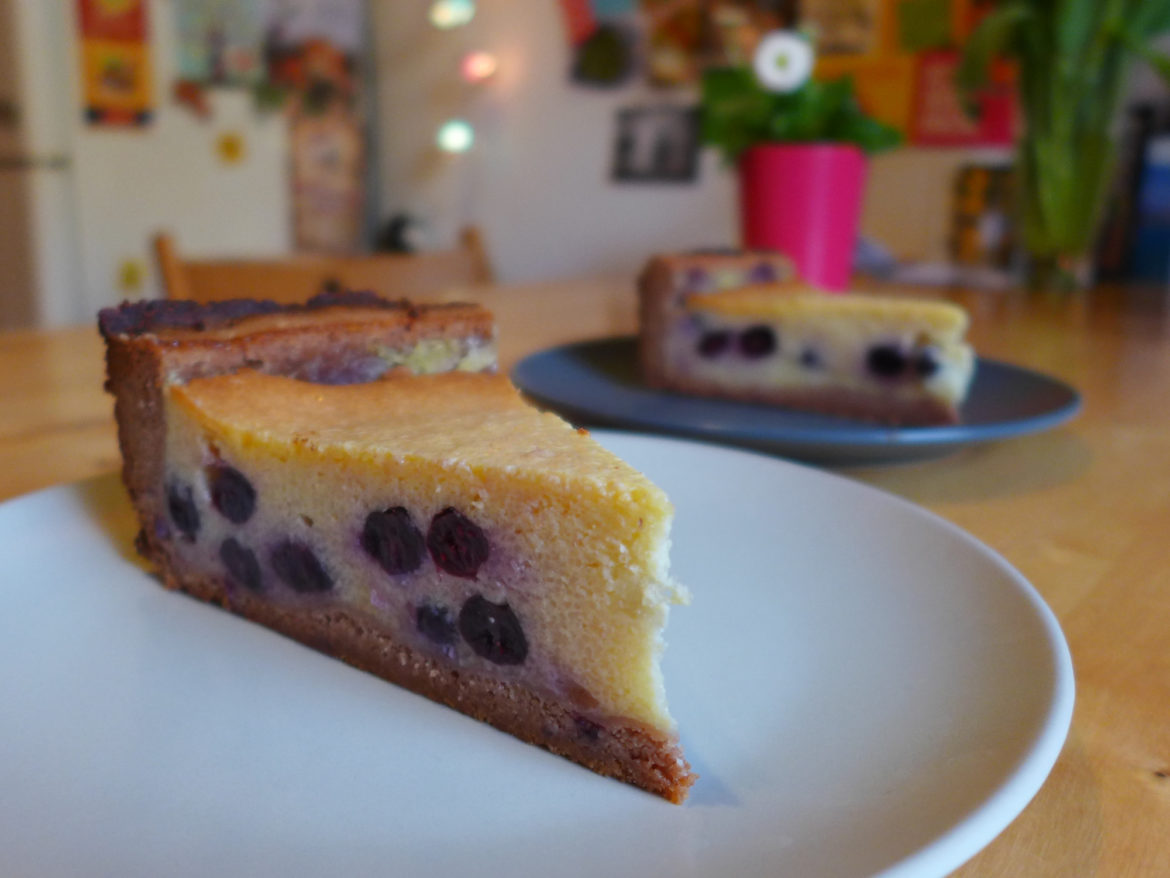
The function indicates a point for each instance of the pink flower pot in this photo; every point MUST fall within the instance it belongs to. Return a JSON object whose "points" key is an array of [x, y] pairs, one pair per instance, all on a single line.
{"points": [[804, 199]]}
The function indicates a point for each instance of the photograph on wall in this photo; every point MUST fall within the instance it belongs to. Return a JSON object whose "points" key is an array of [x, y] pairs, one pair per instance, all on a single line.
{"points": [[844, 27], [220, 42], [658, 144], [117, 81]]}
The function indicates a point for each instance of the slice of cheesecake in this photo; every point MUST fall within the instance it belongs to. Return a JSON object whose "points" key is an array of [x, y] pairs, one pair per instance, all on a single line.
{"points": [[887, 359], [434, 530]]}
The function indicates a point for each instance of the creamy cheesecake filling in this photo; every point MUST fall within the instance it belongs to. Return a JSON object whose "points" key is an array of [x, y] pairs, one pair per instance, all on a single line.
{"points": [[562, 584], [747, 353]]}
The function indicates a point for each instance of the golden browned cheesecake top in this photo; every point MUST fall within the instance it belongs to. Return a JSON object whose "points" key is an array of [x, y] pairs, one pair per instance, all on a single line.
{"points": [[465, 419], [941, 319]]}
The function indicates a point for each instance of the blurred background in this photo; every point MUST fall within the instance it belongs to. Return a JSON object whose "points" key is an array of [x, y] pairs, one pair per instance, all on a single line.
{"points": [[564, 131]]}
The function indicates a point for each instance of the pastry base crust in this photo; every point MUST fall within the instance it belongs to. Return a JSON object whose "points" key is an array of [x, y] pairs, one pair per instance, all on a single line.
{"points": [[626, 751], [842, 402]]}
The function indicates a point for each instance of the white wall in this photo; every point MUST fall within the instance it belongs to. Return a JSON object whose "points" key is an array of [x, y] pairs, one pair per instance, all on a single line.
{"points": [[537, 180]]}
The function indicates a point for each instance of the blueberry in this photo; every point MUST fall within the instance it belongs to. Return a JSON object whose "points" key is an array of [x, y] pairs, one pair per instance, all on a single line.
{"points": [[810, 359], [390, 538], [697, 279], [437, 623], [762, 273], [926, 363], [757, 341], [886, 361], [493, 631], [587, 728], [181, 506], [298, 566], [241, 563], [457, 544], [713, 343], [231, 493]]}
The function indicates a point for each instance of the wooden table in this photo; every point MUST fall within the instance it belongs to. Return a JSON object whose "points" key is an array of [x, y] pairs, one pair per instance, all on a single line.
{"points": [[1082, 511]]}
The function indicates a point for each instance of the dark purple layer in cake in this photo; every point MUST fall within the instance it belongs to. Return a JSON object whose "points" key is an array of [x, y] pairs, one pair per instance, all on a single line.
{"points": [[136, 318]]}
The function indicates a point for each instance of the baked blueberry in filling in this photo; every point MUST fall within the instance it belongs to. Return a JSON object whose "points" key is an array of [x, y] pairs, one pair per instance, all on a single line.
{"points": [[493, 631], [299, 568], [886, 361], [762, 273], [696, 279], [182, 509], [241, 564], [436, 623], [231, 493], [926, 363], [391, 538], [714, 343], [587, 728], [457, 544], [757, 341]]}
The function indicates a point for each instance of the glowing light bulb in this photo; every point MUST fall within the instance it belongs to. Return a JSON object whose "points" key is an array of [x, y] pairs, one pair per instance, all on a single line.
{"points": [[451, 13], [478, 66], [455, 135]]}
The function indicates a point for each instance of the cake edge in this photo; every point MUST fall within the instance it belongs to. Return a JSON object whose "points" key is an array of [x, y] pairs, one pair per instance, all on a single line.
{"points": [[136, 370], [627, 752]]}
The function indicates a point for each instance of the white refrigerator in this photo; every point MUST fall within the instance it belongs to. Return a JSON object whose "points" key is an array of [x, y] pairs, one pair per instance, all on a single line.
{"points": [[79, 204]]}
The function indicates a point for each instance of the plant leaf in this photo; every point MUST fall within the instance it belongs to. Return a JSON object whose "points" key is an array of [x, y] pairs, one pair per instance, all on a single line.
{"points": [[1150, 18], [991, 38]]}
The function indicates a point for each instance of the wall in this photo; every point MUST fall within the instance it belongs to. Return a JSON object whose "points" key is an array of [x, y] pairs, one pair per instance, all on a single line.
{"points": [[537, 180]]}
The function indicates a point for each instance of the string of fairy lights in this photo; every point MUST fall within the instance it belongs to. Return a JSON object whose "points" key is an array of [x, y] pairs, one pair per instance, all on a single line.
{"points": [[458, 134]]}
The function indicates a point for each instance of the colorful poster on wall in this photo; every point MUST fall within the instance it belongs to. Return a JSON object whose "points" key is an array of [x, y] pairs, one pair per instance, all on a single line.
{"points": [[117, 82], [686, 36], [220, 42], [939, 116], [328, 169], [844, 27], [312, 51]]}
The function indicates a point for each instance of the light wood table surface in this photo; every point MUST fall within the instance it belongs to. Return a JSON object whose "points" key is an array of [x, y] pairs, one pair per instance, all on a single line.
{"points": [[1082, 511]]}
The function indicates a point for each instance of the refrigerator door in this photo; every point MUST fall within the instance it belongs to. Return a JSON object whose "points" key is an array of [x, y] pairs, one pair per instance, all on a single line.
{"points": [[39, 256]]}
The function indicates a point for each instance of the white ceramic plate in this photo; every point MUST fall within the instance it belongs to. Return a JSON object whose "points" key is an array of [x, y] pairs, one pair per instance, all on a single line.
{"points": [[863, 688]]}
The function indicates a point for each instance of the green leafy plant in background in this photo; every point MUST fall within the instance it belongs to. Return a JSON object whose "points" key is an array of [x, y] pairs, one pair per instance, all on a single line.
{"points": [[737, 112], [1074, 58]]}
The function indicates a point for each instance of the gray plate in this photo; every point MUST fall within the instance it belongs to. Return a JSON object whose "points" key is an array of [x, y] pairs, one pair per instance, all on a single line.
{"points": [[597, 383]]}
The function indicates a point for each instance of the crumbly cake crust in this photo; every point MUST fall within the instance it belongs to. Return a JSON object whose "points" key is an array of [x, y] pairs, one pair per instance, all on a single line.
{"points": [[625, 751]]}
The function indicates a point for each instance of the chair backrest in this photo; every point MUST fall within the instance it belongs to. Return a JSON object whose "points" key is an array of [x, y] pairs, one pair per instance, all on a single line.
{"points": [[297, 278]]}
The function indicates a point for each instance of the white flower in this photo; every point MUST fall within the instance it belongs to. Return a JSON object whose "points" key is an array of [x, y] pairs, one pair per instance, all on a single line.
{"points": [[783, 61]]}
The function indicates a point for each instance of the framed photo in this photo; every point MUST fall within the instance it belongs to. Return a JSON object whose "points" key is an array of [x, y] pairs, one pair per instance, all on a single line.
{"points": [[658, 144]]}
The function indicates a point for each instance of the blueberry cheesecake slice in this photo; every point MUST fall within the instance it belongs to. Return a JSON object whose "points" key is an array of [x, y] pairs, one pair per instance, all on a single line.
{"points": [[432, 529], [885, 359]]}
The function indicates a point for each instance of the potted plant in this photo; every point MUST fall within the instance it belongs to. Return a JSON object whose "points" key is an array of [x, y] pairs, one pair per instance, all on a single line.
{"points": [[800, 146], [1073, 60]]}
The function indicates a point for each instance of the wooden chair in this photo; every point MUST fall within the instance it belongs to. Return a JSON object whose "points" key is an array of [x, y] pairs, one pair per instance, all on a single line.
{"points": [[297, 278]]}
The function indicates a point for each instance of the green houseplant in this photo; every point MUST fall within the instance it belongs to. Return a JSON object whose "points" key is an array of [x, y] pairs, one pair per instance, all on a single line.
{"points": [[1073, 58], [799, 146]]}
